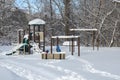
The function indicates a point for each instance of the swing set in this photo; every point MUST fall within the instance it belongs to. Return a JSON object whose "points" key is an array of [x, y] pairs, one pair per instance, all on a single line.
{"points": [[72, 39]]}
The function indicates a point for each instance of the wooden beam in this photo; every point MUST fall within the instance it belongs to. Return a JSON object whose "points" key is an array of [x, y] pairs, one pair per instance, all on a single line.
{"points": [[84, 29], [65, 37]]}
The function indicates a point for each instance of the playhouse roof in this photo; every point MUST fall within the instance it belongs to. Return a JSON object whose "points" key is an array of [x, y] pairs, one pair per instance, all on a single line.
{"points": [[118, 1], [36, 22]]}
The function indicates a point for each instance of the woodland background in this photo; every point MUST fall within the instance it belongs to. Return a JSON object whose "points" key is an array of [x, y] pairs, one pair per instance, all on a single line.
{"points": [[60, 16]]}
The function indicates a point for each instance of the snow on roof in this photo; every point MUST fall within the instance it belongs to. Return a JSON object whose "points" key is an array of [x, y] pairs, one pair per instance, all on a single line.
{"points": [[116, 1], [83, 29], [65, 36], [20, 29], [36, 22], [26, 36]]}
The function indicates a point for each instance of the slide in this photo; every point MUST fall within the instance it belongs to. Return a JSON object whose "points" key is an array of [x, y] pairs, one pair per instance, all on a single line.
{"points": [[19, 47]]}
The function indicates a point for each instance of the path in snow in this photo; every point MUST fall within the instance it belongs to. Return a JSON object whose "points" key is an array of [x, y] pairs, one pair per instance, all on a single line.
{"points": [[22, 72], [88, 67], [69, 75], [29, 73]]}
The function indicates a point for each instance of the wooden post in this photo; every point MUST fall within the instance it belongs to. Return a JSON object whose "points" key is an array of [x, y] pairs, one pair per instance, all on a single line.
{"points": [[93, 41], [57, 41], [23, 33], [44, 38], [39, 36], [39, 39], [29, 32], [51, 45], [38, 28], [19, 36], [34, 33], [78, 46], [29, 38], [72, 46], [24, 50], [98, 42], [29, 46]]}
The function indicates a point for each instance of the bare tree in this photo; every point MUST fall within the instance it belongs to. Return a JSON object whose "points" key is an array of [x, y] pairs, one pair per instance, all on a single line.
{"points": [[61, 15], [67, 16]]}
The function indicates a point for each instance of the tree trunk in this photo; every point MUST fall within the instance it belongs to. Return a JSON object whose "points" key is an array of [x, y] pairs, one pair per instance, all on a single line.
{"points": [[85, 7], [113, 35], [67, 16]]}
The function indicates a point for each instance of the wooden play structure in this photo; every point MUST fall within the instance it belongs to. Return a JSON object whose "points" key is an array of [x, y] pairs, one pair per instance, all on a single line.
{"points": [[36, 35], [72, 39], [94, 32], [37, 32], [61, 55]]}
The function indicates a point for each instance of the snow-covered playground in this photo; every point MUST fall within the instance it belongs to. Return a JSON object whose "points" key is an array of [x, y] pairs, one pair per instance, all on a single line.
{"points": [[91, 65]]}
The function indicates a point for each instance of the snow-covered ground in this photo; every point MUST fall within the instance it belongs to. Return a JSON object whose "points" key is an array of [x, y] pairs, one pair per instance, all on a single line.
{"points": [[91, 65]]}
